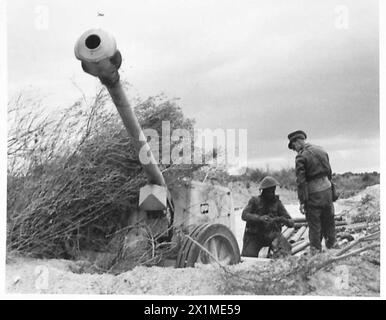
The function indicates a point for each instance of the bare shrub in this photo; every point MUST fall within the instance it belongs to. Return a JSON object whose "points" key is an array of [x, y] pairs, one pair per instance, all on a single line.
{"points": [[73, 180]]}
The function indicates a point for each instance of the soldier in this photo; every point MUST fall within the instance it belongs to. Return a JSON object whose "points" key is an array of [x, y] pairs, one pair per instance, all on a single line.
{"points": [[264, 216], [313, 179]]}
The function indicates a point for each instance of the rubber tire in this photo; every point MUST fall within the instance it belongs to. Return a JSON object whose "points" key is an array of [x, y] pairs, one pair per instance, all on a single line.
{"points": [[203, 234], [186, 245]]}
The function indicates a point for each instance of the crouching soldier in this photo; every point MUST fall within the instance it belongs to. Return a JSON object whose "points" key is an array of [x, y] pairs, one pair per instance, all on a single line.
{"points": [[264, 216]]}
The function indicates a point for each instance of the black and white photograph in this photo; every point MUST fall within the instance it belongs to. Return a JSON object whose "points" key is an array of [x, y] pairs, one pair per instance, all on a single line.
{"points": [[191, 148]]}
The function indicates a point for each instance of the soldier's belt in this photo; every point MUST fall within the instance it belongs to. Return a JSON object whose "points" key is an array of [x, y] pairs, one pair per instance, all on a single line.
{"points": [[319, 184]]}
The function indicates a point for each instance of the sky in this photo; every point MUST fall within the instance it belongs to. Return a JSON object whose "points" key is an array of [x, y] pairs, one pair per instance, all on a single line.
{"points": [[270, 67]]}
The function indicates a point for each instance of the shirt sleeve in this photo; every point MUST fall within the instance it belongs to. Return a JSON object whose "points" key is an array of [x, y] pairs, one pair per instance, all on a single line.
{"points": [[301, 182], [249, 213], [329, 174], [282, 211]]}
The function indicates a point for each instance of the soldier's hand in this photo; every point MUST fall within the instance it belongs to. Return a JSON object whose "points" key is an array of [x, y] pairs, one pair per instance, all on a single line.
{"points": [[302, 209], [279, 220], [267, 219], [289, 223]]}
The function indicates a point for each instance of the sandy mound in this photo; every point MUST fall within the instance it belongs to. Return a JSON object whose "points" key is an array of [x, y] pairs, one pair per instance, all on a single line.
{"points": [[363, 207], [55, 276], [357, 276]]}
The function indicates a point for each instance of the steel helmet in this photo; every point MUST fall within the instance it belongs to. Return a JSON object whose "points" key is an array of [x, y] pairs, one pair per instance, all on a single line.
{"points": [[268, 182]]}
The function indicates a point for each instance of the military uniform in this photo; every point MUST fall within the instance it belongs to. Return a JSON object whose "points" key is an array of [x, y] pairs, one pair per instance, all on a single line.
{"points": [[313, 176], [262, 229]]}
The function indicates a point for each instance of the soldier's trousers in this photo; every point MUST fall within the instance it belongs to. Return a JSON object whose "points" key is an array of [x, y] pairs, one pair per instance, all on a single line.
{"points": [[253, 243], [320, 219]]}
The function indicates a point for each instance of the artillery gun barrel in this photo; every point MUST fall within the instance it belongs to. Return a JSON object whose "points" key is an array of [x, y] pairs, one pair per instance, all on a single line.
{"points": [[134, 129], [97, 50]]}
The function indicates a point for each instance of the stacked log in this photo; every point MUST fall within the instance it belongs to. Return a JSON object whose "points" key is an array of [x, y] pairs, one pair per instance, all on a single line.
{"points": [[300, 246], [288, 232], [298, 235]]}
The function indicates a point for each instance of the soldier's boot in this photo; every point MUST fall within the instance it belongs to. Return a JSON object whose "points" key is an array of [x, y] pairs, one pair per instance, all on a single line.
{"points": [[314, 251], [334, 246]]}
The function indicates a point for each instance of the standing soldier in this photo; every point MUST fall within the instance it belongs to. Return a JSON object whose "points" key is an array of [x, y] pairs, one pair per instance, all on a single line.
{"points": [[313, 179], [264, 216]]}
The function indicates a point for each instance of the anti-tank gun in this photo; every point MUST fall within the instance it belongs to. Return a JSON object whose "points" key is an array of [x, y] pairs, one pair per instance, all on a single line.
{"points": [[204, 213]]}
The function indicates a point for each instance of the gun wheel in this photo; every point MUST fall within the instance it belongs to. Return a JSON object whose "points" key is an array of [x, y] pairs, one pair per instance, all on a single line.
{"points": [[212, 243]]}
